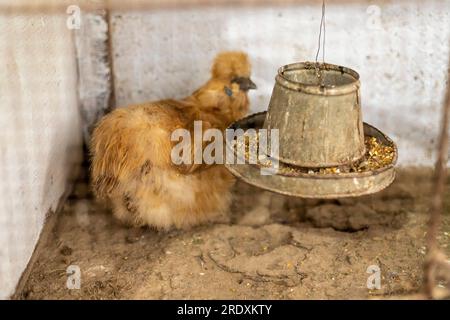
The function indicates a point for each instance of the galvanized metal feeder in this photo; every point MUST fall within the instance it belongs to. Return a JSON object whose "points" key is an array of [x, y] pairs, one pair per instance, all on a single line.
{"points": [[316, 108]]}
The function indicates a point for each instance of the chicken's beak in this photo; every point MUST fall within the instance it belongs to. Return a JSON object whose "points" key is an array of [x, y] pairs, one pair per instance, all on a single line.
{"points": [[245, 84], [250, 85]]}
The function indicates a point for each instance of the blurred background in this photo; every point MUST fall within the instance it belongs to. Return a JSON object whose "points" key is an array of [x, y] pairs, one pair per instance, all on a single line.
{"points": [[63, 64]]}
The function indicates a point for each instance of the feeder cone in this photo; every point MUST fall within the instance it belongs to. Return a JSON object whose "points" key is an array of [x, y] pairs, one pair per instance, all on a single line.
{"points": [[318, 118]]}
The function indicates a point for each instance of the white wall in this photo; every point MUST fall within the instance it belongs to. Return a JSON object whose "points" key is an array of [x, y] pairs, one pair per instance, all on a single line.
{"points": [[400, 49], [40, 134]]}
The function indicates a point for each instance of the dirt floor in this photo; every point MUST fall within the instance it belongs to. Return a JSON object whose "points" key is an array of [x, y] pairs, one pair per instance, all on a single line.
{"points": [[272, 247]]}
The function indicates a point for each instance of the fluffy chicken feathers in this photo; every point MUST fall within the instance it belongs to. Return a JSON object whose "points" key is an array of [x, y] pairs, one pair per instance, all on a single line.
{"points": [[231, 64], [131, 164]]}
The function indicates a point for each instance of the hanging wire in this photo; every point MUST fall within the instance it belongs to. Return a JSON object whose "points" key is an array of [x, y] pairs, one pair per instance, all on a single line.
{"points": [[321, 41], [322, 27], [324, 33]]}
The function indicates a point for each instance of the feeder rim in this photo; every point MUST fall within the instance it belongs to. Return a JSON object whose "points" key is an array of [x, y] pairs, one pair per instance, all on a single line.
{"points": [[343, 175], [282, 80]]}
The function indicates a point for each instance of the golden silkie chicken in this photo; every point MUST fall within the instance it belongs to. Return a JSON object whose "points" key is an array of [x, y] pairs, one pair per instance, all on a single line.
{"points": [[131, 152]]}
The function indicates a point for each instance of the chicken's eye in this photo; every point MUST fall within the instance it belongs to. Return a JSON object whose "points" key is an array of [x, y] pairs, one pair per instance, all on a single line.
{"points": [[228, 91]]}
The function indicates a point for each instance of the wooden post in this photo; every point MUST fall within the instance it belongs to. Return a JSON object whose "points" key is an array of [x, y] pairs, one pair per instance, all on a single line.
{"points": [[435, 258], [95, 84]]}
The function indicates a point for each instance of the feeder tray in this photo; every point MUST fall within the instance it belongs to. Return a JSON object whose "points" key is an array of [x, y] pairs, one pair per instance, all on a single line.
{"points": [[316, 108], [314, 185]]}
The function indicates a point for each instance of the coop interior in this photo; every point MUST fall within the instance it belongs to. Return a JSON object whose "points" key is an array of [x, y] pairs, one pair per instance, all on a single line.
{"points": [[67, 64]]}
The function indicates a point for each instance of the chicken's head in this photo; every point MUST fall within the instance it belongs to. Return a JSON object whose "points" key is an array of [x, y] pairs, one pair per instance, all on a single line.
{"points": [[235, 67]]}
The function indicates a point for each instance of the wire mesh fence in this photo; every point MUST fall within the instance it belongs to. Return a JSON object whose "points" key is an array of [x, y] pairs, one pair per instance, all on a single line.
{"points": [[64, 64]]}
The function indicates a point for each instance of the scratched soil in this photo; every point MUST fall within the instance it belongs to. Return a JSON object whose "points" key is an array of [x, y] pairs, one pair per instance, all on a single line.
{"points": [[272, 247]]}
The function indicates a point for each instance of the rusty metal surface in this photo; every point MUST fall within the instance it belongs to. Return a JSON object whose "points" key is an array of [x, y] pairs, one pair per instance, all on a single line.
{"points": [[315, 186], [319, 119]]}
